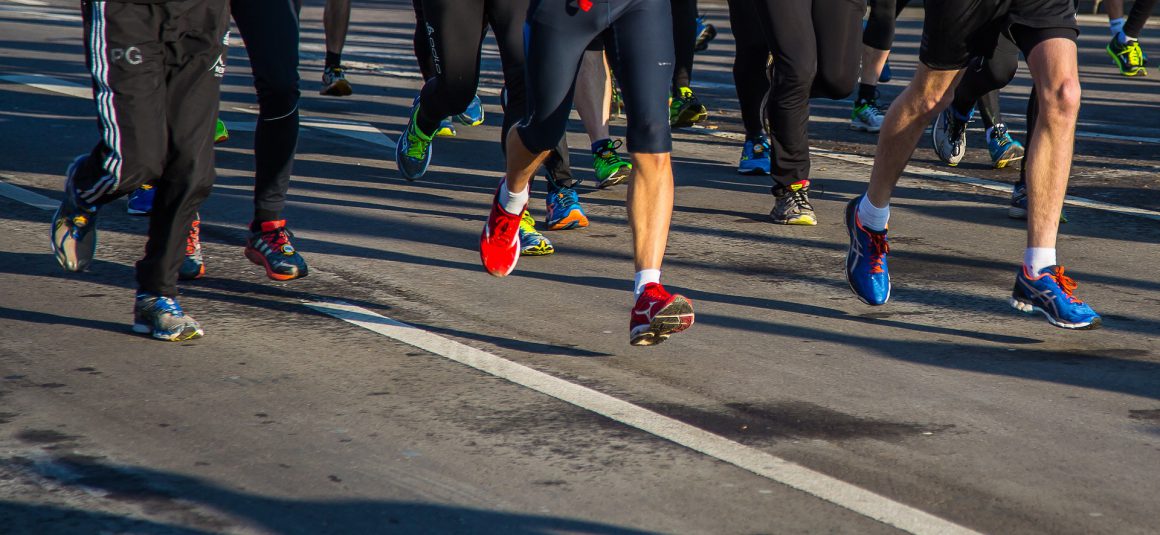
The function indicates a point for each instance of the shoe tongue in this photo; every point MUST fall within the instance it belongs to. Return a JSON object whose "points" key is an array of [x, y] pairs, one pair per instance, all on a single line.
{"points": [[686, 92], [271, 226]]}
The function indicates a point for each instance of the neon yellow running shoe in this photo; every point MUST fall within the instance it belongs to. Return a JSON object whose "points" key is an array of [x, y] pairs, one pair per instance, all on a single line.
{"points": [[532, 243]]}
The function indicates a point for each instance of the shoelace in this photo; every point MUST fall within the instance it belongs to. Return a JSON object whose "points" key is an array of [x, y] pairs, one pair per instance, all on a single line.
{"points": [[879, 246], [1066, 283], [609, 155], [193, 241], [1135, 54], [800, 199], [416, 146], [275, 239]]}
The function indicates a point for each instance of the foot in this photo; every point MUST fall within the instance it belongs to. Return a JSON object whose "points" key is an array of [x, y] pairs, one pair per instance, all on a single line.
{"points": [[866, 268], [193, 267], [413, 151], [948, 135], [473, 115], [565, 211], [791, 204], [220, 133], [270, 248], [754, 157], [686, 109], [446, 128], [1004, 149], [163, 319], [1051, 293], [1018, 206], [334, 82], [74, 226], [867, 116], [141, 201], [1127, 55], [499, 245], [532, 243], [657, 315], [609, 167], [705, 34]]}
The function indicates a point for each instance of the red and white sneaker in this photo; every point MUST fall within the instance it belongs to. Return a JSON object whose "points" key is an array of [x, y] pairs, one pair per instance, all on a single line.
{"points": [[657, 315], [499, 245]]}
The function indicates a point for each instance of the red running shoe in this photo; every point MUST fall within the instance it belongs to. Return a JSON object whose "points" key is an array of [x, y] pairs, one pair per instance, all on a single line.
{"points": [[499, 245], [657, 315]]}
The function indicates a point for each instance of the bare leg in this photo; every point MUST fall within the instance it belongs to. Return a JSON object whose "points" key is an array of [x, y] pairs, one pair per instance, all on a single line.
{"points": [[650, 208], [594, 94], [1115, 9], [1054, 70], [909, 114], [873, 61], [521, 163], [335, 23]]}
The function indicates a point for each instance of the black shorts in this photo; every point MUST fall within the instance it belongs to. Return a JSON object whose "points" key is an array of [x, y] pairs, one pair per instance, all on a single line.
{"points": [[954, 31]]}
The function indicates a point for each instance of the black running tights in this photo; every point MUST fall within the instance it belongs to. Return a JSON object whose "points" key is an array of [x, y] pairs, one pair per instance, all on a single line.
{"points": [[684, 41], [749, 74]]}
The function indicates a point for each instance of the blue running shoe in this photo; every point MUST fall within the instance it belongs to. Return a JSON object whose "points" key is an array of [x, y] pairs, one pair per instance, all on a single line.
{"points": [[885, 75], [141, 200], [754, 157], [1004, 148], [1052, 294], [163, 319], [564, 210], [705, 33], [473, 115], [866, 269], [1018, 207], [74, 226], [413, 151]]}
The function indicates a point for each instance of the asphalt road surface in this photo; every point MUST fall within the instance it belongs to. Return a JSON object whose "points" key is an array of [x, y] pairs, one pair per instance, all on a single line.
{"points": [[400, 389]]}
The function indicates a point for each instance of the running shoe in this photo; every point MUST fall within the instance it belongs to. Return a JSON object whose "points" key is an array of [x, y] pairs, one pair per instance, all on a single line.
{"points": [[867, 116], [1128, 56], [163, 319], [193, 266], [532, 243], [1018, 207], [754, 157], [609, 167], [334, 82], [413, 151], [499, 245], [705, 34], [1052, 294], [1004, 148], [446, 128], [74, 226], [564, 210], [686, 109], [791, 204], [141, 201], [866, 269], [473, 115], [948, 135], [886, 75], [270, 248], [220, 133], [657, 315]]}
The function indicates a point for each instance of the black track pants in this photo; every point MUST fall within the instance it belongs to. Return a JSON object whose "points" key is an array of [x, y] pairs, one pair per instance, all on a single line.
{"points": [[156, 72], [684, 41], [816, 46], [270, 31], [749, 74], [983, 79]]}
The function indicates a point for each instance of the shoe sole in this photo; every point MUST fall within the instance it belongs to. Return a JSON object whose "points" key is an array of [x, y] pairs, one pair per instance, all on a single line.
{"points": [[804, 221], [258, 258], [1028, 308], [340, 88], [184, 277], [864, 128], [934, 128], [1139, 71], [570, 221], [755, 171], [673, 318], [538, 251], [181, 336], [846, 268], [618, 177]]}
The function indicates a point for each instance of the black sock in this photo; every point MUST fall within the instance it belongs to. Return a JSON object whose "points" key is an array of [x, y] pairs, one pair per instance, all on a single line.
{"points": [[333, 59], [867, 92]]}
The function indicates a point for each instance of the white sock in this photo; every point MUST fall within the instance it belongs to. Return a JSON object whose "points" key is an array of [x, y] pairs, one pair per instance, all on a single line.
{"points": [[644, 277], [1116, 26], [513, 203], [873, 217], [1037, 258]]}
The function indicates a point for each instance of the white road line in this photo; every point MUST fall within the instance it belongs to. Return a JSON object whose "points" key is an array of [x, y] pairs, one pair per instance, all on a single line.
{"points": [[38, 3], [20, 194], [48, 83], [832, 490], [948, 176]]}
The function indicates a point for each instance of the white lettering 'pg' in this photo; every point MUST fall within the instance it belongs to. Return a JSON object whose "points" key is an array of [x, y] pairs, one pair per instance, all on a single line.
{"points": [[132, 55]]}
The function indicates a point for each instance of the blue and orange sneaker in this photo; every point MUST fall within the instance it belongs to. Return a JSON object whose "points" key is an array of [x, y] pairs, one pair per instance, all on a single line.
{"points": [[1052, 293], [866, 268], [565, 211]]}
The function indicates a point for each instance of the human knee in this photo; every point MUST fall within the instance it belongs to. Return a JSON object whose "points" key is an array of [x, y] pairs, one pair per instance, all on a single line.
{"points": [[1060, 98], [278, 103]]}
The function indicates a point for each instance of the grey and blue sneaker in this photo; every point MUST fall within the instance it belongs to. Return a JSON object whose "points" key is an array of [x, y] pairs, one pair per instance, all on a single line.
{"points": [[413, 151], [1018, 207], [754, 157], [163, 319], [473, 115], [532, 243], [74, 226], [866, 268], [1004, 148], [948, 135], [141, 200], [1052, 294]]}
